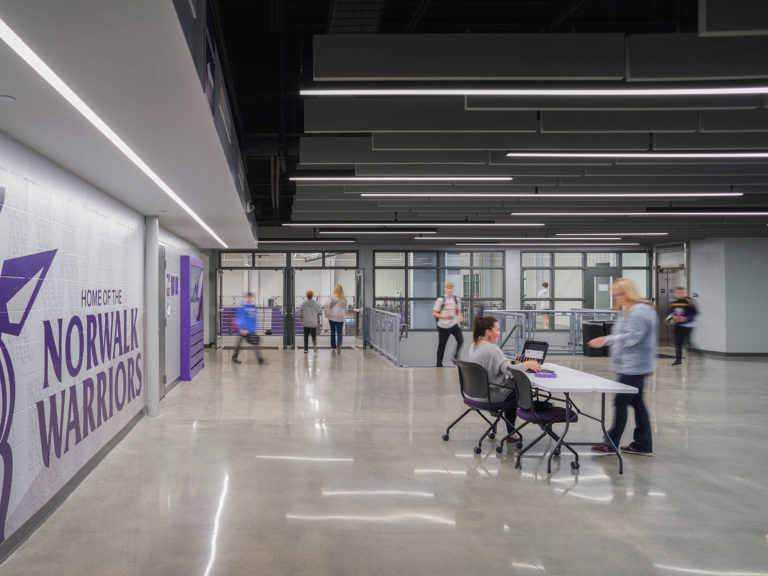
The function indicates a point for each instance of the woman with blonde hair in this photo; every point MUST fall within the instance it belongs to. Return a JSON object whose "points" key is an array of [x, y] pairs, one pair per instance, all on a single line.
{"points": [[336, 312], [633, 343]]}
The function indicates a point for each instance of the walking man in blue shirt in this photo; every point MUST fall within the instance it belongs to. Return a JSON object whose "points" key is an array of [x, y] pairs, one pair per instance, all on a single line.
{"points": [[246, 320]]}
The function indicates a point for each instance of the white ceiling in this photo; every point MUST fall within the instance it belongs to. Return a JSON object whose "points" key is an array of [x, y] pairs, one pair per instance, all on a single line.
{"points": [[129, 61]]}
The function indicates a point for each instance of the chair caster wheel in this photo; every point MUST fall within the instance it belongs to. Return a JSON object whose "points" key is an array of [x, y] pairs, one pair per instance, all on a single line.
{"points": [[478, 450], [575, 465], [499, 449], [491, 435], [557, 452], [445, 437], [519, 445]]}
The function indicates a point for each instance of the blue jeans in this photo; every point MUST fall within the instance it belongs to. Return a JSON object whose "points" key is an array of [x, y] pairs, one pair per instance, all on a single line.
{"points": [[337, 331], [642, 437]]}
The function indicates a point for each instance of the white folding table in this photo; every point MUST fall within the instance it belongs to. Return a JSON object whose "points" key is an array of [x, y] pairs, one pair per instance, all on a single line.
{"points": [[569, 381]]}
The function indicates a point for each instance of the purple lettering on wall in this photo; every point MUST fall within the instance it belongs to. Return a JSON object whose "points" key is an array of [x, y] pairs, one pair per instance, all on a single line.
{"points": [[105, 337], [51, 424], [52, 352], [73, 418], [89, 425], [16, 275], [74, 364]]}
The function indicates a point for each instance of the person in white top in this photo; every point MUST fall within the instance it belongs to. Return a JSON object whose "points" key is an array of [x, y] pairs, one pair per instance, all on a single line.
{"points": [[336, 312], [543, 303], [447, 311]]}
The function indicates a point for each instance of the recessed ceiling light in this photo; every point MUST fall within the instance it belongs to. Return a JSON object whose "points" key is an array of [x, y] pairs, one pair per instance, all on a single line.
{"points": [[45, 72], [701, 91], [556, 195], [617, 233], [411, 224], [713, 213], [400, 178], [645, 155]]}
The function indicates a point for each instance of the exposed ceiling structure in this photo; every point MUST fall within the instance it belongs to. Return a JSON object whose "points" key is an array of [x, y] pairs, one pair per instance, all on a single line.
{"points": [[686, 165]]}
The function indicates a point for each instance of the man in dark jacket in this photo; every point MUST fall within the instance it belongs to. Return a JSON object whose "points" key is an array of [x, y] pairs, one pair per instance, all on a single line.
{"points": [[684, 313]]}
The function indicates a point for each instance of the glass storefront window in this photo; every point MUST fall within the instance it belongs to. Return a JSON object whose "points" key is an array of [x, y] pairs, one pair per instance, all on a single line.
{"points": [[595, 259], [422, 259], [569, 259], [488, 260], [538, 259], [389, 259], [307, 259], [341, 259], [270, 260], [634, 259], [420, 316], [533, 280], [422, 283], [640, 278], [461, 281], [236, 259], [568, 284], [459, 259], [389, 283]]}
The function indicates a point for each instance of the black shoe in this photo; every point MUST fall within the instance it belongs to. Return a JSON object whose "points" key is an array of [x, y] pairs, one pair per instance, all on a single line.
{"points": [[677, 363], [261, 360], [235, 360], [439, 366]]}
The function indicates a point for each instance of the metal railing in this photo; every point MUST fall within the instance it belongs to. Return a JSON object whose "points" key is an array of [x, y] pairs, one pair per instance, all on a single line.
{"points": [[382, 332], [561, 329]]}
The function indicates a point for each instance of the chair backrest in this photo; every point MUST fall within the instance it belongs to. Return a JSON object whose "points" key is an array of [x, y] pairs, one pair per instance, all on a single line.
{"points": [[524, 392], [535, 350], [473, 379]]}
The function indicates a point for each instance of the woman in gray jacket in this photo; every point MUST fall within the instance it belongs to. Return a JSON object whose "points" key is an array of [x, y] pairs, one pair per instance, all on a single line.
{"points": [[311, 314], [633, 344]]}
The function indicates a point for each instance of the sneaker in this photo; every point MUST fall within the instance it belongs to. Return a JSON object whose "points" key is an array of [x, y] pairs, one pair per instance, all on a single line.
{"points": [[235, 360], [632, 450], [677, 363], [602, 449]]}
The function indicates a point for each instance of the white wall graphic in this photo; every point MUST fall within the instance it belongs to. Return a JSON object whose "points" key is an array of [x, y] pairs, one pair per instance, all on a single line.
{"points": [[71, 327]]}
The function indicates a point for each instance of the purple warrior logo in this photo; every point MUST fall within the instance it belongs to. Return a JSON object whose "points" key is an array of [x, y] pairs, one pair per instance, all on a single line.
{"points": [[20, 282]]}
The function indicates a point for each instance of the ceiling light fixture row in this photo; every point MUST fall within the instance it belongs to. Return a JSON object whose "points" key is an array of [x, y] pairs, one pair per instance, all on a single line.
{"points": [[687, 214], [408, 224], [575, 92], [555, 195]]}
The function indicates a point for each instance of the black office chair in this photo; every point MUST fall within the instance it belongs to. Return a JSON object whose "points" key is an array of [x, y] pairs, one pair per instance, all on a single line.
{"points": [[542, 413], [475, 391]]}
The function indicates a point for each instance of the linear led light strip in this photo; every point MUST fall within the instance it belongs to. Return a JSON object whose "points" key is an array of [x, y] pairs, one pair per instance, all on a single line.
{"points": [[763, 213], [602, 237], [409, 224], [556, 195], [637, 155], [355, 232], [306, 241], [616, 233], [45, 72], [400, 178], [548, 244], [734, 90]]}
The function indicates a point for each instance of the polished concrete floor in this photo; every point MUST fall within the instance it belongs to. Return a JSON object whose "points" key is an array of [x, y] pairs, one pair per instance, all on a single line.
{"points": [[334, 465]]}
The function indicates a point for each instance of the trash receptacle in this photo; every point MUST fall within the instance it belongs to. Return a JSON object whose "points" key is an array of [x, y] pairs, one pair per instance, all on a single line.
{"points": [[590, 330]]}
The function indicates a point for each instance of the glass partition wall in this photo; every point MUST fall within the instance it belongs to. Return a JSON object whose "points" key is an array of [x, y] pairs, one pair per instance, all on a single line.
{"points": [[279, 281], [409, 283]]}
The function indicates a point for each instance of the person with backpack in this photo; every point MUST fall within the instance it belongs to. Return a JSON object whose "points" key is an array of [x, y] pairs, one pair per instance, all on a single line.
{"points": [[683, 314], [447, 312]]}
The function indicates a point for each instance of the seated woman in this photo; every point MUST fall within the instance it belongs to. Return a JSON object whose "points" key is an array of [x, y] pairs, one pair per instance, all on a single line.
{"points": [[485, 352]]}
